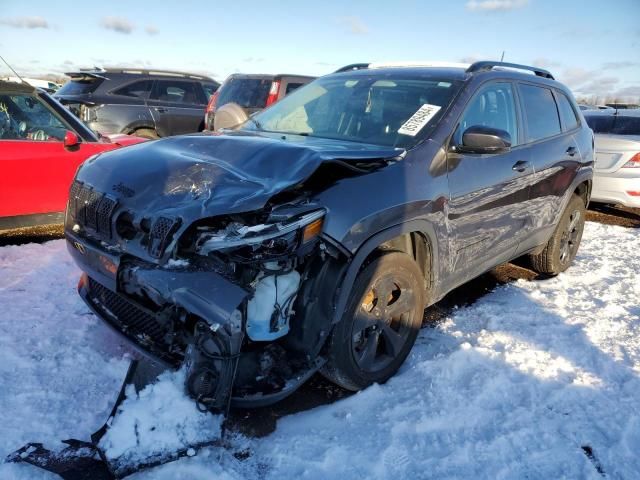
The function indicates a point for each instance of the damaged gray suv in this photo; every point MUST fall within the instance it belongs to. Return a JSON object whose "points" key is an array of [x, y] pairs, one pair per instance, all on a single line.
{"points": [[312, 237]]}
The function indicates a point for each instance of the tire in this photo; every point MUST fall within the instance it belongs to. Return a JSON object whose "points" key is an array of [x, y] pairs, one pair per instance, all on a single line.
{"points": [[371, 342], [563, 245], [149, 133]]}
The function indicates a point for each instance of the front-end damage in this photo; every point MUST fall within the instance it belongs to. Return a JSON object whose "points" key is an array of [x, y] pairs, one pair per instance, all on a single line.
{"points": [[221, 268], [231, 305]]}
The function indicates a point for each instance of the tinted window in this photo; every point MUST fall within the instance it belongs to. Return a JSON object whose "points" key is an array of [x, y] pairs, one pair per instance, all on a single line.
{"points": [[540, 112], [23, 117], [80, 86], [209, 89], [139, 89], [178, 92], [493, 107], [614, 124], [246, 92], [390, 110], [291, 87], [567, 113]]}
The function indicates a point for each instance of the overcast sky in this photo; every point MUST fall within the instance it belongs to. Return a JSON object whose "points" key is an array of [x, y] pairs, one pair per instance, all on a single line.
{"points": [[592, 45]]}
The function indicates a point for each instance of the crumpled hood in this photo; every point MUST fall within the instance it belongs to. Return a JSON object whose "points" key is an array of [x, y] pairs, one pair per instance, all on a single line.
{"points": [[207, 175]]}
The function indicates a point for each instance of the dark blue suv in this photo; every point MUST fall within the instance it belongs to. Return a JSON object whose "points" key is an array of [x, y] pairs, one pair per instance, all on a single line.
{"points": [[312, 237]]}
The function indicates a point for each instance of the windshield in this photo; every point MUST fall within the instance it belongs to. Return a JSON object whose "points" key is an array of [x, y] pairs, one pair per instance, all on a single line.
{"points": [[385, 111]]}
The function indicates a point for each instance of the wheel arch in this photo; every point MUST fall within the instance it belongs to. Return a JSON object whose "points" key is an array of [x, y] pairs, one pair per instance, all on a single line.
{"points": [[583, 190], [416, 237]]}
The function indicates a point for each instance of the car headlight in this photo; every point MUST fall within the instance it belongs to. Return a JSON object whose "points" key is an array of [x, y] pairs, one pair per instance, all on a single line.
{"points": [[267, 239]]}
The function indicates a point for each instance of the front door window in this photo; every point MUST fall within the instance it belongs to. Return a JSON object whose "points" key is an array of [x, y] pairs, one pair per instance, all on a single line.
{"points": [[25, 117]]}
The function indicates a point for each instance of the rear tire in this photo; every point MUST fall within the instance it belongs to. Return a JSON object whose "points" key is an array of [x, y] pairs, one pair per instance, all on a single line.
{"points": [[149, 133], [379, 325], [563, 245]]}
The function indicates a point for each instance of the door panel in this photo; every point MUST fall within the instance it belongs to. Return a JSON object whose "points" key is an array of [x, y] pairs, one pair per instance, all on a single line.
{"points": [[555, 157], [488, 193], [177, 106], [36, 175]]}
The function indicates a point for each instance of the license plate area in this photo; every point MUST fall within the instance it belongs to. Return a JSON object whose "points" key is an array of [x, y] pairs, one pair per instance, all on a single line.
{"points": [[98, 264]]}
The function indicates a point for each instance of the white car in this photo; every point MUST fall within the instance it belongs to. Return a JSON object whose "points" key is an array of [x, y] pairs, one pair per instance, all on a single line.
{"points": [[617, 167]]}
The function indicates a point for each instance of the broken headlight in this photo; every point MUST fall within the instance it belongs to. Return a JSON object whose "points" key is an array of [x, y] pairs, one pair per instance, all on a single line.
{"points": [[266, 240]]}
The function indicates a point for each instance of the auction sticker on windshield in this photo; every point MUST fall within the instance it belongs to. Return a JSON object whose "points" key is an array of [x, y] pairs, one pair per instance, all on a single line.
{"points": [[418, 120]]}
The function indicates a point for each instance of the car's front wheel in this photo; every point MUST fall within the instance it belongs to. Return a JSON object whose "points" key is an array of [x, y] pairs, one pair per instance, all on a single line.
{"points": [[563, 245], [380, 323]]}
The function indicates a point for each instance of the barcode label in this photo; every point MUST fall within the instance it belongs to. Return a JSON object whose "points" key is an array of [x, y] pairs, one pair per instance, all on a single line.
{"points": [[418, 120]]}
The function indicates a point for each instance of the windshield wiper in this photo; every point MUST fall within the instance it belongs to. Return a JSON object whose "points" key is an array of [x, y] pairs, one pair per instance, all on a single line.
{"points": [[256, 123]]}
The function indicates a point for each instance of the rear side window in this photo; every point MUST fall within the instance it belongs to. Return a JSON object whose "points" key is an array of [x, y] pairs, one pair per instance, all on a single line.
{"points": [[292, 86], [567, 113], [209, 89], [493, 106], [80, 86], [246, 92], [540, 112], [140, 89], [614, 124], [178, 92]]}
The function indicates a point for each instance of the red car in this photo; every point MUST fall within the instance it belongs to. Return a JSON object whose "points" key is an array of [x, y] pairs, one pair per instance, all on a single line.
{"points": [[41, 146]]}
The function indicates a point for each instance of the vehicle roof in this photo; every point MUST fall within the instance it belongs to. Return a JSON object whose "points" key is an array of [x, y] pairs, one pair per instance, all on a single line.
{"points": [[454, 71], [449, 73], [270, 75], [101, 72], [16, 87]]}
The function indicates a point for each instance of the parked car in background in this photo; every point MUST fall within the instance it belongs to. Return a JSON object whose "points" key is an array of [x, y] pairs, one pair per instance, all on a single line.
{"points": [[617, 167], [41, 146], [623, 106], [335, 216], [252, 92], [47, 85], [147, 103]]}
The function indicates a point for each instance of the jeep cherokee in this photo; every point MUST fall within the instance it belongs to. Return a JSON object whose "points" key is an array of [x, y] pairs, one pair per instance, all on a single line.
{"points": [[312, 237]]}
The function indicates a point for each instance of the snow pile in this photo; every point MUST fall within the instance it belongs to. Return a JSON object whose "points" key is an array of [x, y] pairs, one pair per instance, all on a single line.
{"points": [[157, 421], [60, 369], [535, 380]]}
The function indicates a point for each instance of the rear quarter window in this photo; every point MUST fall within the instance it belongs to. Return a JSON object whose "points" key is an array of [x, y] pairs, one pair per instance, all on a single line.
{"points": [[567, 113], [540, 112], [140, 89]]}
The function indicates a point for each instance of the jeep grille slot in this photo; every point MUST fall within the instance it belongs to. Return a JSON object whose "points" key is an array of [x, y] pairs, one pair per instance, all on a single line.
{"points": [[91, 209], [161, 234]]}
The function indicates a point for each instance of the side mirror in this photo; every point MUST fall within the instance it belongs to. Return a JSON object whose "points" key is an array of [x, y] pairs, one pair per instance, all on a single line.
{"points": [[481, 139], [70, 140]]}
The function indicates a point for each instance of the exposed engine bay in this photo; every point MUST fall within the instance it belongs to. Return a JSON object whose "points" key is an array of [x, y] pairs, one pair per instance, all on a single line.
{"points": [[236, 304]]}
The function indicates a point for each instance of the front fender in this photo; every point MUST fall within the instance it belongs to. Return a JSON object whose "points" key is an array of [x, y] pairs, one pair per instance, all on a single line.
{"points": [[420, 226]]}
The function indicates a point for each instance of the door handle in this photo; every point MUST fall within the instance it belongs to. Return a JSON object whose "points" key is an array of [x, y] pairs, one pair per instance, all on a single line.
{"points": [[571, 151], [161, 110], [521, 166]]}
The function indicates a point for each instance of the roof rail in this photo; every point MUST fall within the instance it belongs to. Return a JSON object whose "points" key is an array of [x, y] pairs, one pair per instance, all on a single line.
{"points": [[352, 66], [141, 71], [488, 65]]}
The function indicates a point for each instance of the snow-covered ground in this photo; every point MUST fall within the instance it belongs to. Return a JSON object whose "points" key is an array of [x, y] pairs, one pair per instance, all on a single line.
{"points": [[513, 386]]}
